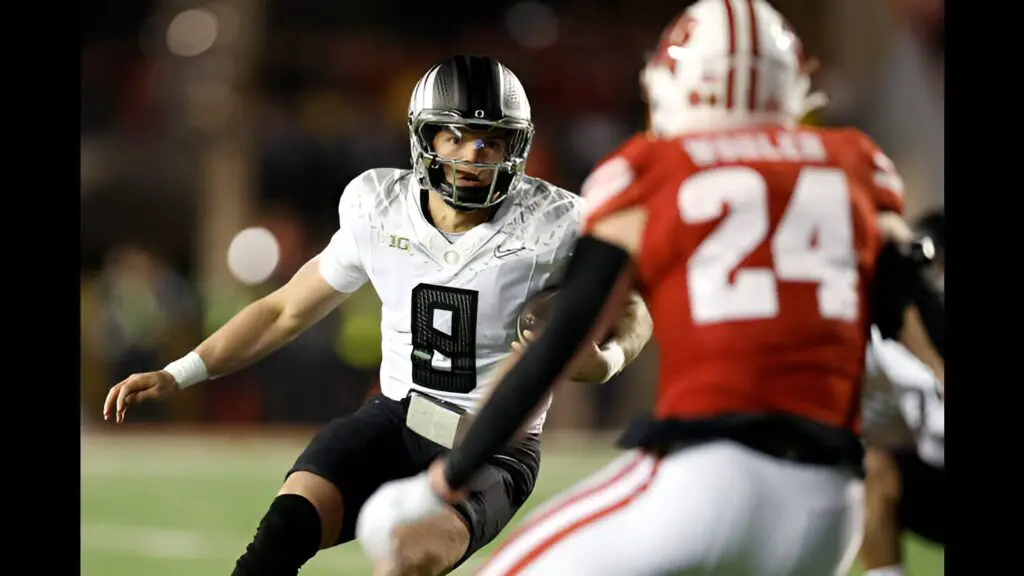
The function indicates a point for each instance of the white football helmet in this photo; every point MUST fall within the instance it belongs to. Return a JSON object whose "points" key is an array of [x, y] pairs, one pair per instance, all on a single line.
{"points": [[725, 64]]}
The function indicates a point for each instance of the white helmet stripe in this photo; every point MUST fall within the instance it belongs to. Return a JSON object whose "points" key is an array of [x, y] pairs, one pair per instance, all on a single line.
{"points": [[755, 57], [730, 77], [744, 53], [428, 89]]}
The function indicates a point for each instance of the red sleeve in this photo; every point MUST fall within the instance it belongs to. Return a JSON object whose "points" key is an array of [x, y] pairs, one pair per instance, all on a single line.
{"points": [[883, 180], [614, 184]]}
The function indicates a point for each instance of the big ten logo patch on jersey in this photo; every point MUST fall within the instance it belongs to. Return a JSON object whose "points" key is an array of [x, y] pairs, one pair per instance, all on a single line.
{"points": [[399, 242]]}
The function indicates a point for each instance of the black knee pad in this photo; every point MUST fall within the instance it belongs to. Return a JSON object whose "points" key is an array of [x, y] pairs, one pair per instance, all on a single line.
{"points": [[288, 536]]}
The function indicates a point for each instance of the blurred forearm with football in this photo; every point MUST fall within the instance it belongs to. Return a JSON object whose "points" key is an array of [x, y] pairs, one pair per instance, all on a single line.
{"points": [[599, 362]]}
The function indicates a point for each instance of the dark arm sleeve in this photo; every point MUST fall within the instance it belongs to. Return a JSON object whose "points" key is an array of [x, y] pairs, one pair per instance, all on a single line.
{"points": [[590, 280]]}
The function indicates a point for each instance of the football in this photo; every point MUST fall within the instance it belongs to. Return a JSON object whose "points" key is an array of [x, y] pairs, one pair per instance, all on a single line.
{"points": [[536, 312]]}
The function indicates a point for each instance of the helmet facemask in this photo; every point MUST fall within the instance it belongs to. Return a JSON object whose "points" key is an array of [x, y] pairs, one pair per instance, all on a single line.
{"points": [[430, 167]]}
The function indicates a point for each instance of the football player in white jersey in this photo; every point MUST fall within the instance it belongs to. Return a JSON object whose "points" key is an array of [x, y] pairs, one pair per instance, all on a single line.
{"points": [[906, 487], [454, 248]]}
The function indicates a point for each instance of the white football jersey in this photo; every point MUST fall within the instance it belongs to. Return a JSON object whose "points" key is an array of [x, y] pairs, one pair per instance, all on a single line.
{"points": [[449, 307], [916, 389]]}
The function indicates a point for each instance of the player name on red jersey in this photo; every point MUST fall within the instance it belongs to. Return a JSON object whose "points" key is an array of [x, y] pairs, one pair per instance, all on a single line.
{"points": [[756, 147]]}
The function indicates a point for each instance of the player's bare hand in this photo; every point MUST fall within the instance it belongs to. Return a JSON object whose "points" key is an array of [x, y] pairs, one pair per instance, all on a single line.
{"points": [[135, 389], [519, 346], [588, 366]]}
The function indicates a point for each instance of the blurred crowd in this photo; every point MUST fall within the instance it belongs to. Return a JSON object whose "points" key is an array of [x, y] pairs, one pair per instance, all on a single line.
{"points": [[327, 100]]}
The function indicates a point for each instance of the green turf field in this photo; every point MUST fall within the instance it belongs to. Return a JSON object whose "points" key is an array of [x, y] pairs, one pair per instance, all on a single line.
{"points": [[174, 504]]}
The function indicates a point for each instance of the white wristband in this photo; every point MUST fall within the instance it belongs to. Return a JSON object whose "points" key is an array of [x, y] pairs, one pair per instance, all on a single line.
{"points": [[615, 356], [188, 370]]}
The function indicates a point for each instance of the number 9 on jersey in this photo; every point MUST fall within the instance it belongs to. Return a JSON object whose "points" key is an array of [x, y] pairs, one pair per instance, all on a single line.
{"points": [[459, 345]]}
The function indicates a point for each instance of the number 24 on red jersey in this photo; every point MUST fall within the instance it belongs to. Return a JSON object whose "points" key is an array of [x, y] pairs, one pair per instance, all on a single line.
{"points": [[813, 241]]}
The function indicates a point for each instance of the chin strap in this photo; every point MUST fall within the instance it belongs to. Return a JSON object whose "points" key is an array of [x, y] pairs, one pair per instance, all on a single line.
{"points": [[459, 208]]}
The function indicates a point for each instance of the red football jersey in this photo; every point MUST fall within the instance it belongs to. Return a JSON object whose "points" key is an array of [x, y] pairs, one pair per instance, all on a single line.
{"points": [[757, 255]]}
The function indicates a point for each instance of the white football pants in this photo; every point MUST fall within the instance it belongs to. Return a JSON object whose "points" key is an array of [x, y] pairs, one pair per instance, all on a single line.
{"points": [[714, 509]]}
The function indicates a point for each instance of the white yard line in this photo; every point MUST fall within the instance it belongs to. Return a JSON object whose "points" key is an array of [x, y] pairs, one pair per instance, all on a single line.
{"points": [[172, 544], [154, 542], [180, 468]]}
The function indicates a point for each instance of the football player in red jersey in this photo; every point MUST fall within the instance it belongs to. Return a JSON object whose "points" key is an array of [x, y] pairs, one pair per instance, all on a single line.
{"points": [[764, 251]]}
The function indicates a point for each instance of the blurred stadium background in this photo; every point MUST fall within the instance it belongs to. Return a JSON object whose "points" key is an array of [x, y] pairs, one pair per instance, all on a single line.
{"points": [[215, 139]]}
